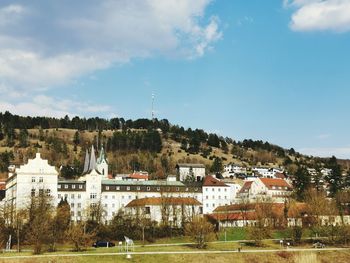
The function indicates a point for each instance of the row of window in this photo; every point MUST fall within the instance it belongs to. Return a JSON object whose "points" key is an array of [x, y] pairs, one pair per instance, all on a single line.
{"points": [[41, 192], [148, 188], [80, 186], [41, 179], [219, 197], [213, 189]]}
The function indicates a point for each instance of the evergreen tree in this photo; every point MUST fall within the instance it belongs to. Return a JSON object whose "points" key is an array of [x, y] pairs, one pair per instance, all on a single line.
{"points": [[335, 178], [346, 181], [76, 140], [216, 167], [302, 182], [23, 138]]}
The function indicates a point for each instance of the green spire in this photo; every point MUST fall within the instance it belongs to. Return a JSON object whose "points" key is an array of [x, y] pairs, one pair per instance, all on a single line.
{"points": [[102, 156]]}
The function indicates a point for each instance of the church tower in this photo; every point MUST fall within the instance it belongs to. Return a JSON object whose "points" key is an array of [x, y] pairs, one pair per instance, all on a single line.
{"points": [[102, 164]]}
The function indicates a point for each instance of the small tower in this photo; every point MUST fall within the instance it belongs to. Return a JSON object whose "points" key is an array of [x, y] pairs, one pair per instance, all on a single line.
{"points": [[102, 164]]}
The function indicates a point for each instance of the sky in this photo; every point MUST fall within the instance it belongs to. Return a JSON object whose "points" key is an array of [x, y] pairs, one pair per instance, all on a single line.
{"points": [[276, 70]]}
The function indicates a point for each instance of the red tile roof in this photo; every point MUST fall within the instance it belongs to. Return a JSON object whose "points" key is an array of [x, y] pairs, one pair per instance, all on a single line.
{"points": [[163, 200], [280, 175], [138, 176], [270, 182], [246, 187], [234, 212], [235, 216], [211, 181]]}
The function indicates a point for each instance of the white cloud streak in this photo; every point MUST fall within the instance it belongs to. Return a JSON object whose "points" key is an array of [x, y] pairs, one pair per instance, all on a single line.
{"points": [[339, 152], [320, 15]]}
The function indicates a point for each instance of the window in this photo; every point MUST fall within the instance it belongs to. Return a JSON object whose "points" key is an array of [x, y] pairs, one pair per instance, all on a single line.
{"points": [[113, 196], [177, 189], [129, 196], [113, 213], [59, 196], [79, 205], [219, 196], [147, 210], [106, 196], [138, 188], [48, 192], [207, 205], [213, 205], [73, 186], [66, 186], [196, 189], [33, 179], [186, 189], [72, 205], [113, 205], [41, 179], [41, 192], [207, 197], [158, 188], [148, 188], [72, 213], [225, 189], [105, 205], [122, 196], [128, 188], [117, 188], [33, 192], [213, 189], [59, 186], [80, 186], [79, 213], [107, 188], [66, 196], [72, 196], [219, 189], [79, 196], [93, 196]]}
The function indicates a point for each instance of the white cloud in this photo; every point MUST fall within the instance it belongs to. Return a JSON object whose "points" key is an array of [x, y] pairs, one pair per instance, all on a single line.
{"points": [[320, 15], [323, 136], [51, 43], [42, 105], [339, 152]]}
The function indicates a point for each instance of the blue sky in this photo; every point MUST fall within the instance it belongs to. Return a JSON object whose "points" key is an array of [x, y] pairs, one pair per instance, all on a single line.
{"points": [[271, 70]]}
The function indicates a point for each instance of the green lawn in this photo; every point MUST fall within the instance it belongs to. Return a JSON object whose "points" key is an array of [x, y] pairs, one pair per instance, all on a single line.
{"points": [[339, 257]]}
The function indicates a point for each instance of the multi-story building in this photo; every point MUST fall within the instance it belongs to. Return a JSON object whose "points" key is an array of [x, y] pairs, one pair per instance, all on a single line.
{"points": [[195, 172], [277, 190], [95, 188]]}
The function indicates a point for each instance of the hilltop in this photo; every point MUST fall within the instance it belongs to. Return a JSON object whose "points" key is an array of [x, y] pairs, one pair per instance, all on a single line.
{"points": [[142, 144]]}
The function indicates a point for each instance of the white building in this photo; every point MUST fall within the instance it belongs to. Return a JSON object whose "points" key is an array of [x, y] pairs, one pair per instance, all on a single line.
{"points": [[94, 188], [266, 172], [233, 170], [276, 190], [190, 170], [215, 193], [34, 178], [172, 210]]}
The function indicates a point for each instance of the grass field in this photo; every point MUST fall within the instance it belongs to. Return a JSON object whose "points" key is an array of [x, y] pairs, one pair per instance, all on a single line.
{"points": [[338, 256]]}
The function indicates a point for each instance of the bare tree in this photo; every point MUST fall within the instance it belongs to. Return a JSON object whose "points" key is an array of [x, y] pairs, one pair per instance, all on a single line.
{"points": [[200, 230]]}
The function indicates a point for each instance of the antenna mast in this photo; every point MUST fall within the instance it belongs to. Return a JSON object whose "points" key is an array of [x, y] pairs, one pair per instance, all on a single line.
{"points": [[153, 106]]}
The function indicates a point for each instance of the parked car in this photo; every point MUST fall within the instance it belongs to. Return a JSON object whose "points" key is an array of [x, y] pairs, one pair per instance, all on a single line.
{"points": [[319, 245], [103, 244]]}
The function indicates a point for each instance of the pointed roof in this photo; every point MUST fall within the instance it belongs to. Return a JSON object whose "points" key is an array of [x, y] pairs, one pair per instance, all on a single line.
{"points": [[102, 156], [92, 163], [211, 181], [86, 162]]}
